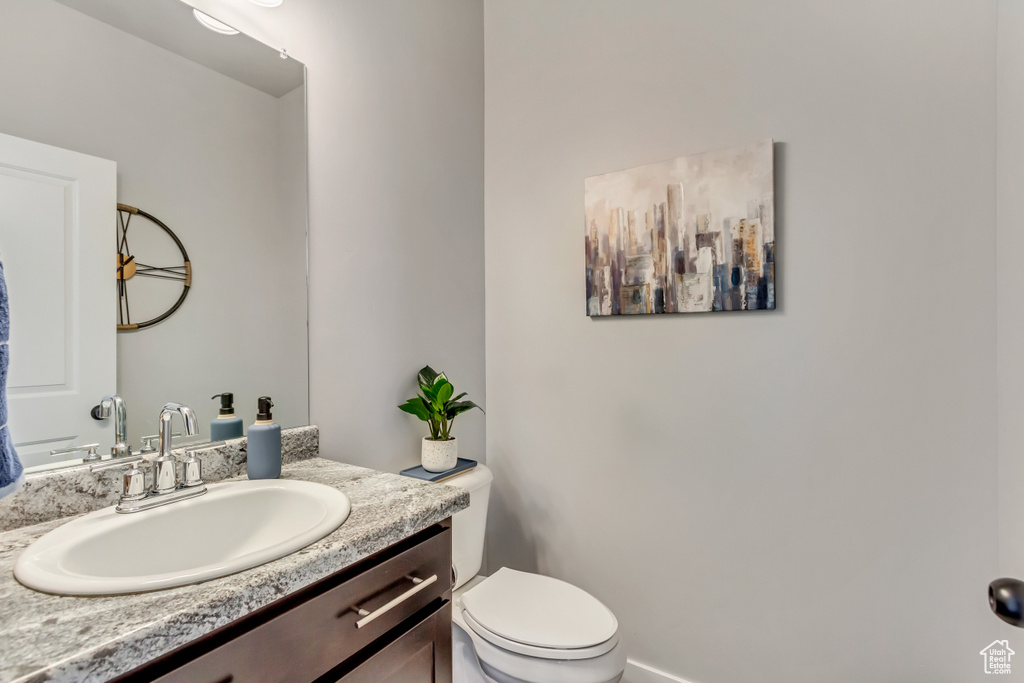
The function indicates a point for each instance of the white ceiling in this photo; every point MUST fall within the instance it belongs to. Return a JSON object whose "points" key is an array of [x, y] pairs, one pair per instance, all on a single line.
{"points": [[170, 25]]}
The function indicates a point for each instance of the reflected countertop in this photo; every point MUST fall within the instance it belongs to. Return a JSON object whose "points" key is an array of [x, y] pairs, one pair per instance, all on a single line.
{"points": [[59, 638]]}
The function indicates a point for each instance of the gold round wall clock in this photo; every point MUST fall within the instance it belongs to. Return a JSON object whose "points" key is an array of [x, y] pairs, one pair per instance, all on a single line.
{"points": [[154, 273]]}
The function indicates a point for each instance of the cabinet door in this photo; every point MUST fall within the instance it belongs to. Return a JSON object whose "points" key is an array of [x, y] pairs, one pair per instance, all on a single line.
{"points": [[423, 654], [320, 633]]}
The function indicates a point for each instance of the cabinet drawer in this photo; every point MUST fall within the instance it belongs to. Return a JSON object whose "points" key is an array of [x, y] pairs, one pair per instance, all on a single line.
{"points": [[422, 654], [314, 637]]}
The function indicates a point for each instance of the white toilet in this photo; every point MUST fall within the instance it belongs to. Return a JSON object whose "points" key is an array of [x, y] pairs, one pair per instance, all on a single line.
{"points": [[517, 627]]}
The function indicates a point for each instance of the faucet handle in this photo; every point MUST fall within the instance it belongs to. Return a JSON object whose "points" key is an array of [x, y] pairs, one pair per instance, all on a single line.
{"points": [[91, 456], [133, 483], [193, 470]]}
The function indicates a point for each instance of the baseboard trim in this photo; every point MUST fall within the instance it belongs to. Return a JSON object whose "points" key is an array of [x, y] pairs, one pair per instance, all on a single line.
{"points": [[641, 673]]}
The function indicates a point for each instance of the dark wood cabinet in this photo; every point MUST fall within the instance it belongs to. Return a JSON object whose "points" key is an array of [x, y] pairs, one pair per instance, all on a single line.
{"points": [[386, 618], [423, 654]]}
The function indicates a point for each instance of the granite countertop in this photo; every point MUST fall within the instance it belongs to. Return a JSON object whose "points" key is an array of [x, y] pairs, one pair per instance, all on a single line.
{"points": [[77, 639]]}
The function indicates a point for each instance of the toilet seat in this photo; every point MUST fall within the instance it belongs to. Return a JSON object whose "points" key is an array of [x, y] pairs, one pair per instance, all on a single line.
{"points": [[539, 616], [503, 664], [536, 651]]}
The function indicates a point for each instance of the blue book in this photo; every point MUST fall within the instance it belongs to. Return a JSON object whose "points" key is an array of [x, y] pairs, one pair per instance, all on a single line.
{"points": [[418, 472]]}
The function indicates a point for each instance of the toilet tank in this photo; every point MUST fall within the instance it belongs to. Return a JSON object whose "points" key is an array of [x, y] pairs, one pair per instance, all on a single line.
{"points": [[469, 525]]}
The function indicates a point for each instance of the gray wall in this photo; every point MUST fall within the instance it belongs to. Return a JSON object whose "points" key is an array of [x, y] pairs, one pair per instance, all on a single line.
{"points": [[802, 495], [1010, 243], [203, 153], [396, 210]]}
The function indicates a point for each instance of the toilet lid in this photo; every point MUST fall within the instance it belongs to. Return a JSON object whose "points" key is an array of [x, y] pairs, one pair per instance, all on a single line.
{"points": [[533, 651], [540, 611]]}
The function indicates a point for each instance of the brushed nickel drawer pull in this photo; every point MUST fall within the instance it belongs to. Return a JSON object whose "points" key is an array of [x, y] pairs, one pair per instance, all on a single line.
{"points": [[418, 585]]}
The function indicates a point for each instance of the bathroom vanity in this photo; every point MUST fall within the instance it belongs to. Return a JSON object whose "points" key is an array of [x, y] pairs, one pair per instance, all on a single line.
{"points": [[387, 569], [385, 618]]}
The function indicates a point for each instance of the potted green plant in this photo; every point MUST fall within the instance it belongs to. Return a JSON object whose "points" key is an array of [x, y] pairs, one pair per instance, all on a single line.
{"points": [[436, 405]]}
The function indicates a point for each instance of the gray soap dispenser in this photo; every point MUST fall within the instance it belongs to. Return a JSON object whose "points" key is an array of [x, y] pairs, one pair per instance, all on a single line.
{"points": [[226, 425], [263, 456]]}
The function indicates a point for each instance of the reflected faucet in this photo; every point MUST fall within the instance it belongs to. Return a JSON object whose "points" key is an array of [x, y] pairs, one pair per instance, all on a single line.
{"points": [[114, 406]]}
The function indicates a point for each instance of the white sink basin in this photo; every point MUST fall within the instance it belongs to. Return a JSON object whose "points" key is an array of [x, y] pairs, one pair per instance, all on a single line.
{"points": [[234, 526]]}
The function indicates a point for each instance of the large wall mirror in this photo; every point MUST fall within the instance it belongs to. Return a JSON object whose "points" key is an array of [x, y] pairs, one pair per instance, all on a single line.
{"points": [[203, 131]]}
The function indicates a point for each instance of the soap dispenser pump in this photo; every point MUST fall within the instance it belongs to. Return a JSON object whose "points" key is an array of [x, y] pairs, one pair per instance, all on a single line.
{"points": [[263, 452], [226, 425]]}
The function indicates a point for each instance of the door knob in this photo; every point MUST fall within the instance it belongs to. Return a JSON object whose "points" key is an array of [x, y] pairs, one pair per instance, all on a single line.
{"points": [[1006, 598]]}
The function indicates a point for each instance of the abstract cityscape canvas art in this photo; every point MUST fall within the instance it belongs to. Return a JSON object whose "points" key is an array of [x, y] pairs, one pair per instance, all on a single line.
{"points": [[689, 235]]}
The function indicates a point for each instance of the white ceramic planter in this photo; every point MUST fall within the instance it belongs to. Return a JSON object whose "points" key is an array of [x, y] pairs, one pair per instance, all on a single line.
{"points": [[438, 456]]}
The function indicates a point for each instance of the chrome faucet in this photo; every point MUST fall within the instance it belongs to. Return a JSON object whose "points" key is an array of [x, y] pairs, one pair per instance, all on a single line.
{"points": [[114, 406], [135, 497], [165, 465]]}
